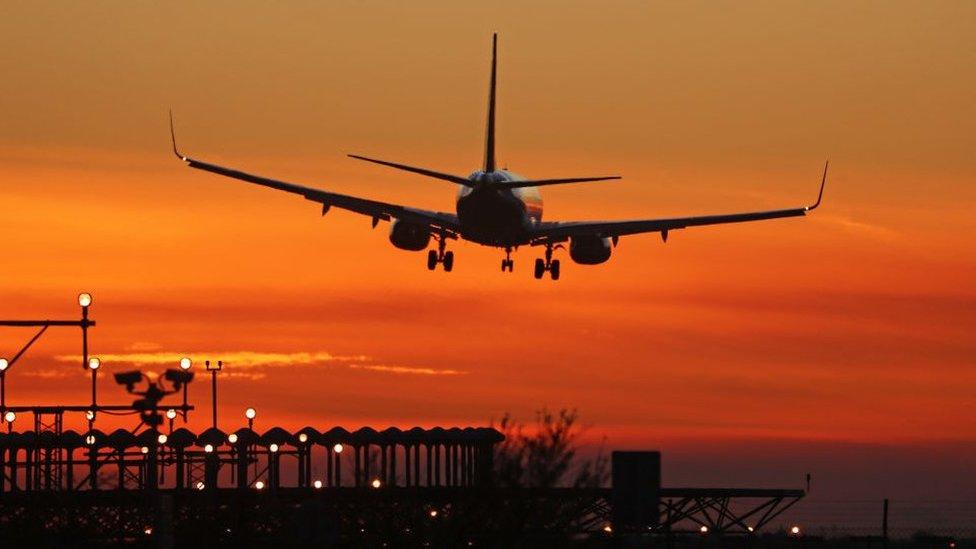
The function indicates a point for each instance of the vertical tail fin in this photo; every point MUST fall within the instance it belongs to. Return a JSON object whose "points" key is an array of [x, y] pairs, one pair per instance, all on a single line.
{"points": [[490, 132]]}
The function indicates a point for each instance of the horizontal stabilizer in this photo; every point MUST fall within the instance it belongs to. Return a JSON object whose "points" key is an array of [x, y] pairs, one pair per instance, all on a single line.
{"points": [[544, 182], [422, 171]]}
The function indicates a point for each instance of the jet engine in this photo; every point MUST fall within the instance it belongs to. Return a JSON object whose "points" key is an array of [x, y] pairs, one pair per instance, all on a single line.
{"points": [[407, 236], [589, 250]]}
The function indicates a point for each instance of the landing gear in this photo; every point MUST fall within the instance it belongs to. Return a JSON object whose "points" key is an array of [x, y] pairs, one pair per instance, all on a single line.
{"points": [[549, 264], [508, 263], [440, 256]]}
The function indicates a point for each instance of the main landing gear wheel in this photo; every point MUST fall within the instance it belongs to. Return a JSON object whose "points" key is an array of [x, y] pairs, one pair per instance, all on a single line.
{"points": [[440, 256], [548, 264]]}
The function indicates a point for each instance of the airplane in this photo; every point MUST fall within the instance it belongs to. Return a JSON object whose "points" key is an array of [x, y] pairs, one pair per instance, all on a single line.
{"points": [[495, 207]]}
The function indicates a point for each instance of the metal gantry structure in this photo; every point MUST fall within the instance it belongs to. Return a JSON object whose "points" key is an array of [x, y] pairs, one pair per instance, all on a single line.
{"points": [[419, 485]]}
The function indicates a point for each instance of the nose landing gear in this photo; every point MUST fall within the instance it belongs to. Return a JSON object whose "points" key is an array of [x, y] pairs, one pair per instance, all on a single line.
{"points": [[445, 258], [508, 263], [549, 265]]}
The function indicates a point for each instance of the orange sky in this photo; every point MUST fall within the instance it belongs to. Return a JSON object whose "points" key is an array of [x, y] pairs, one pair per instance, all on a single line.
{"points": [[853, 324]]}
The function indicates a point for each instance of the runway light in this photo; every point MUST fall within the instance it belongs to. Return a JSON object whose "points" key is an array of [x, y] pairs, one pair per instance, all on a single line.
{"points": [[259, 485], [795, 530], [273, 448], [201, 485], [9, 417], [433, 513], [162, 439], [250, 413], [185, 363], [171, 414], [750, 528], [376, 483], [144, 449], [608, 529], [317, 484], [84, 300], [90, 415], [303, 438], [337, 448], [4, 364], [94, 363], [232, 438], [703, 529], [208, 448], [148, 531]]}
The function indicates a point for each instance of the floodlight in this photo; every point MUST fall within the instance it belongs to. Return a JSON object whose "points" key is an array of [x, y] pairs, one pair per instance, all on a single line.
{"points": [[703, 529], [376, 483], [795, 530], [250, 413], [232, 438], [144, 449], [273, 448], [162, 438], [433, 513], [208, 448], [4, 364], [9, 417], [259, 485], [317, 484], [337, 448], [303, 438], [84, 300], [129, 379], [94, 363], [185, 363], [171, 414]]}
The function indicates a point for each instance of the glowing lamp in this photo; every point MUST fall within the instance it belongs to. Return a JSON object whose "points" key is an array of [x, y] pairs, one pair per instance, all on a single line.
{"points": [[208, 448], [337, 448], [608, 529], [303, 438], [94, 363], [4, 364], [171, 414], [9, 417], [317, 484], [185, 363], [250, 413], [703, 529], [201, 485], [376, 483], [232, 438], [273, 448], [795, 530], [90, 415], [162, 439], [84, 300], [144, 449], [259, 485], [90, 440]]}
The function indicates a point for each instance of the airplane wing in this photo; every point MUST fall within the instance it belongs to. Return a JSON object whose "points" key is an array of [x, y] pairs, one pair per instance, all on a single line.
{"points": [[436, 222], [560, 231]]}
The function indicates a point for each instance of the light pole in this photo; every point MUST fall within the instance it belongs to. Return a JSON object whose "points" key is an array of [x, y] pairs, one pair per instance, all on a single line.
{"points": [[4, 364], [213, 368], [250, 414], [85, 300], [185, 364], [9, 417], [93, 364]]}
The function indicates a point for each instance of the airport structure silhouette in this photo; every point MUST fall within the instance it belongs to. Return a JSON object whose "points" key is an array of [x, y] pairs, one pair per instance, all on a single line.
{"points": [[156, 485]]}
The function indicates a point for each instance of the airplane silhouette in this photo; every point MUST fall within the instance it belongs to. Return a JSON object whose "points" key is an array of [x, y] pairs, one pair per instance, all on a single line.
{"points": [[495, 207]]}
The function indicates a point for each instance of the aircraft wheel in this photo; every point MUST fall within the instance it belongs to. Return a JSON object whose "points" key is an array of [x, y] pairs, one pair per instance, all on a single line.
{"points": [[540, 267], [504, 265], [448, 261], [554, 269], [511, 265], [432, 260]]}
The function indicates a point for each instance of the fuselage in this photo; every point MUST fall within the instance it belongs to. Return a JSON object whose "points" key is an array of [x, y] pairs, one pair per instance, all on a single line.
{"points": [[498, 217]]}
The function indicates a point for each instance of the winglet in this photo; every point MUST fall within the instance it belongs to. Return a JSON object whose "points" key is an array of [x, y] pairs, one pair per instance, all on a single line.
{"points": [[823, 183], [490, 129], [172, 134]]}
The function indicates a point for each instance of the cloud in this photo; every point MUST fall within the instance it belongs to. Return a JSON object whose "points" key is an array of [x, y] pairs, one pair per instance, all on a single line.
{"points": [[256, 359], [876, 231], [407, 370], [239, 359]]}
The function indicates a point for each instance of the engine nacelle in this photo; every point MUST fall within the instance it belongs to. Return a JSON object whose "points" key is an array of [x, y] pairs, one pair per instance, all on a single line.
{"points": [[409, 237], [589, 250]]}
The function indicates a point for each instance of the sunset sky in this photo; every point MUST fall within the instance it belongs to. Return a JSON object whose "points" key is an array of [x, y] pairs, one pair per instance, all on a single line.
{"points": [[853, 327]]}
